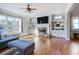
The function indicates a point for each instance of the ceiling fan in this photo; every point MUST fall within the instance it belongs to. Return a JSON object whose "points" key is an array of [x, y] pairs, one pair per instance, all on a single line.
{"points": [[28, 8]]}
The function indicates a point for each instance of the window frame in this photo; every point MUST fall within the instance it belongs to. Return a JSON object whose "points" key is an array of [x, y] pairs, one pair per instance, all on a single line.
{"points": [[74, 18], [6, 18]]}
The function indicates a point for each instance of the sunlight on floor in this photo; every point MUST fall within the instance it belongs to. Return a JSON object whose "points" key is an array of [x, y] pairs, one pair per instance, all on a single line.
{"points": [[74, 49]]}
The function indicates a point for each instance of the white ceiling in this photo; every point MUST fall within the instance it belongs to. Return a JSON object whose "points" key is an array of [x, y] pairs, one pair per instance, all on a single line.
{"points": [[42, 8], [75, 10]]}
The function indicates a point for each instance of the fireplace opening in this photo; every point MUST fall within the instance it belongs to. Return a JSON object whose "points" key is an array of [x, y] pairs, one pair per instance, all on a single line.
{"points": [[43, 31]]}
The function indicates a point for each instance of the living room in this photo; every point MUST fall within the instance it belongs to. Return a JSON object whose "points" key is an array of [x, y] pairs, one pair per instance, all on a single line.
{"points": [[38, 28]]}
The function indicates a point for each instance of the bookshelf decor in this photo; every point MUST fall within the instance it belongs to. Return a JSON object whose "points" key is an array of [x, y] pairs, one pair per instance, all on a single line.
{"points": [[57, 25]]}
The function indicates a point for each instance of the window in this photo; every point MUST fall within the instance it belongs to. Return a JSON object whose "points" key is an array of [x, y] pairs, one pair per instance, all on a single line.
{"points": [[14, 24], [10, 24], [75, 23], [2, 22], [18, 24]]}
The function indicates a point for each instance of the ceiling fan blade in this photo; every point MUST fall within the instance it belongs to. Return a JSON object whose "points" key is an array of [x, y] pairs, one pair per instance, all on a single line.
{"points": [[28, 5], [33, 9], [29, 9]]}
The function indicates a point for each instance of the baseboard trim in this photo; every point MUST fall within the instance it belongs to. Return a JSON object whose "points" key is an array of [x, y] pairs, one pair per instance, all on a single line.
{"points": [[57, 37]]}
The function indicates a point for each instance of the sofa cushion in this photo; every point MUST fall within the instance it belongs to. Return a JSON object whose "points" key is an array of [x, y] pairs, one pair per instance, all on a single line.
{"points": [[25, 47], [4, 41], [8, 38]]}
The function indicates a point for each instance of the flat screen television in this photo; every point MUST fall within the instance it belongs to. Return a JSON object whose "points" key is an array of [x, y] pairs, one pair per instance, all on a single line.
{"points": [[42, 20]]}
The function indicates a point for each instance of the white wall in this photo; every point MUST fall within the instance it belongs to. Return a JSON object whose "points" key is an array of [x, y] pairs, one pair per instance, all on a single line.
{"points": [[67, 26], [25, 24]]}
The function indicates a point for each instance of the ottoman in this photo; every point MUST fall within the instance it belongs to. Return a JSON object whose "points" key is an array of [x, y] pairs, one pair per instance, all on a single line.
{"points": [[25, 47]]}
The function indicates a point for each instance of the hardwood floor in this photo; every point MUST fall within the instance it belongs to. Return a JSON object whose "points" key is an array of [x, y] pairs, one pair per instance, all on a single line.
{"points": [[54, 46], [45, 46]]}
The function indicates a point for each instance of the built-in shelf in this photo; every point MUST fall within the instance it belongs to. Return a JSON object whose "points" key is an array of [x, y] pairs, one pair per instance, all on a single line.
{"points": [[57, 25]]}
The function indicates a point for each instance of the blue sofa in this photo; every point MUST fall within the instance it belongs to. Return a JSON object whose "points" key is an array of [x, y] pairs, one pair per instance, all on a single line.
{"points": [[4, 41], [23, 46]]}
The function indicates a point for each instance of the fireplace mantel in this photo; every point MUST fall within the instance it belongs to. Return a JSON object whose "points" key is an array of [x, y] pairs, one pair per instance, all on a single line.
{"points": [[43, 27]]}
